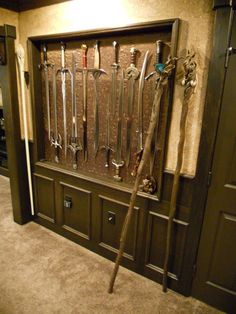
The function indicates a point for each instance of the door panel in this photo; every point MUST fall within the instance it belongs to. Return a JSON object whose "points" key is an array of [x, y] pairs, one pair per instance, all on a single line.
{"points": [[215, 280]]}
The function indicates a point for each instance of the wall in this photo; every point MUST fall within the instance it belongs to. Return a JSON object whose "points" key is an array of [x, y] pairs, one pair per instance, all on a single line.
{"points": [[195, 33]]}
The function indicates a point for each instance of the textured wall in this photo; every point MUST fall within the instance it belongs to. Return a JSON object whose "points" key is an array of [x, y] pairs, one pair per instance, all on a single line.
{"points": [[195, 32]]}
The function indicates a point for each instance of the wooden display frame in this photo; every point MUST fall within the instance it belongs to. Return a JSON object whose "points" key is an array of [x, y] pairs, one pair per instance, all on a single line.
{"points": [[166, 30]]}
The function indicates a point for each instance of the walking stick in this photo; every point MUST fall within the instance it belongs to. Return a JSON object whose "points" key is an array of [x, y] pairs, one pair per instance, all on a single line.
{"points": [[20, 58], [162, 80], [189, 82]]}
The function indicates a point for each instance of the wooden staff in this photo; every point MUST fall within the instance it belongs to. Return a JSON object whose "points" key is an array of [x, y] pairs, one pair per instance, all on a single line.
{"points": [[161, 81], [189, 82]]}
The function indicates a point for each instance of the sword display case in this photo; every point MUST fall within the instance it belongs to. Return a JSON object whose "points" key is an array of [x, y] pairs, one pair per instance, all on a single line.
{"points": [[110, 130], [87, 204]]}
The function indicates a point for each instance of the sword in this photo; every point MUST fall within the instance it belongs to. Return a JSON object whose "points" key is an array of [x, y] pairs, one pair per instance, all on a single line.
{"points": [[132, 74], [158, 69], [107, 146], [75, 145], [55, 139], [96, 75], [150, 184], [85, 70], [44, 66], [118, 162], [114, 71], [63, 72], [140, 114]]}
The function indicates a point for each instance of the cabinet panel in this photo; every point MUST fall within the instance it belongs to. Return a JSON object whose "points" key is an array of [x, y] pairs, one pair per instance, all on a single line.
{"points": [[44, 195], [112, 215], [75, 205], [155, 245]]}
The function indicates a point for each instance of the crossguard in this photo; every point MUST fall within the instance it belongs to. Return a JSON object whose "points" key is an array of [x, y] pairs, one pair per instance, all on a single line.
{"points": [[57, 143], [75, 148], [132, 72], [108, 150], [117, 165]]}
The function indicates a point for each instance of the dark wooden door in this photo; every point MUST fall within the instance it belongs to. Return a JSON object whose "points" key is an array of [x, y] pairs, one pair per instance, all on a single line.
{"points": [[215, 280]]}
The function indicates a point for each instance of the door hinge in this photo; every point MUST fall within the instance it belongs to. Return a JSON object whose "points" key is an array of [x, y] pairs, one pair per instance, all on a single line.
{"points": [[209, 177]]}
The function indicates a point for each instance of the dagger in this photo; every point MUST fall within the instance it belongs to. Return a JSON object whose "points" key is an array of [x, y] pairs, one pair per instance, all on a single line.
{"points": [[118, 162], [132, 74]]}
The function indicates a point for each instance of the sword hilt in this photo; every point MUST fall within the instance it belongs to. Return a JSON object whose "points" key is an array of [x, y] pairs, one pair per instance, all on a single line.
{"points": [[84, 57], [159, 66], [115, 49], [133, 55], [45, 57], [117, 165], [108, 150], [75, 148], [96, 55], [63, 48]]}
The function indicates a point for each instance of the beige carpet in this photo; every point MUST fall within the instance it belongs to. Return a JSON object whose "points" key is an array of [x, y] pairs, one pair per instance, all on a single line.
{"points": [[41, 272]]}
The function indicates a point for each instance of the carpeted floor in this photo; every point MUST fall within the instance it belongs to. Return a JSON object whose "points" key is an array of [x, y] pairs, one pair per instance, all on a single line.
{"points": [[41, 272]]}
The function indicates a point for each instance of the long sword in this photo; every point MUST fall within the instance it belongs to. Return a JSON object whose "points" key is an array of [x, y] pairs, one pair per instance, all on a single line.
{"points": [[118, 162], [96, 75], [132, 74], [63, 72], [114, 71], [158, 68], [56, 140], [44, 66], [85, 70], [140, 114], [75, 145]]}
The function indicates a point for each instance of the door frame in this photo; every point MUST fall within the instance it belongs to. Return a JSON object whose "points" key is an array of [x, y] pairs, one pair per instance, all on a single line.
{"points": [[212, 109]]}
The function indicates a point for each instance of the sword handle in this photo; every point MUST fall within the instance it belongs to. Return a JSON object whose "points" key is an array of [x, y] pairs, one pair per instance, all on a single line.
{"points": [[45, 57], [115, 49], [63, 48], [96, 55], [133, 54], [84, 58], [159, 55]]}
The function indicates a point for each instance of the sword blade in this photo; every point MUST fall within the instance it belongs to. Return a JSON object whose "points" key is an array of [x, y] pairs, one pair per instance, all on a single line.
{"points": [[85, 147], [119, 122], [73, 92], [140, 102], [96, 118], [54, 88], [63, 90], [47, 101], [129, 119], [113, 89]]}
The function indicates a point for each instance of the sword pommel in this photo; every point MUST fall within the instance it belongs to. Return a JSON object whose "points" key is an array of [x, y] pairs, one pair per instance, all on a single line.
{"points": [[85, 50]]}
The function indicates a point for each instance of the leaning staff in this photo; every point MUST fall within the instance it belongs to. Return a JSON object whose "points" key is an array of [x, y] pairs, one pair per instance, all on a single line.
{"points": [[189, 82], [161, 81]]}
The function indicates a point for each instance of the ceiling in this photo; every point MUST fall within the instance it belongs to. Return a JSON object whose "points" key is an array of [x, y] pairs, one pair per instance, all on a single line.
{"points": [[23, 5]]}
